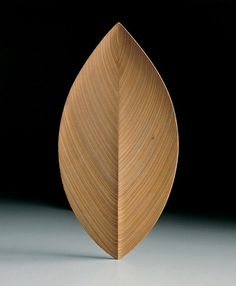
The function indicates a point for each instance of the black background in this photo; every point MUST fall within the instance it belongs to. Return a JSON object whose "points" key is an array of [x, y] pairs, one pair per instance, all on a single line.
{"points": [[192, 44]]}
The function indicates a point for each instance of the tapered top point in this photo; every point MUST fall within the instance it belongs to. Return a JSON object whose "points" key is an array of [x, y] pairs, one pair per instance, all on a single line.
{"points": [[119, 25]]}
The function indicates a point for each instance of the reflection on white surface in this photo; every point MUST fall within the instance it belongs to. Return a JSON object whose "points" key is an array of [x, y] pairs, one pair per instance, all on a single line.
{"points": [[40, 245]]}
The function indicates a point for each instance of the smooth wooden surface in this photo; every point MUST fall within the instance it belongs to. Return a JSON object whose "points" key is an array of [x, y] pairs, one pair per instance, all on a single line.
{"points": [[118, 144]]}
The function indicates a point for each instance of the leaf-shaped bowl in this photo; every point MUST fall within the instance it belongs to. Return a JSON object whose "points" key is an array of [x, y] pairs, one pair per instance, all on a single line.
{"points": [[118, 144]]}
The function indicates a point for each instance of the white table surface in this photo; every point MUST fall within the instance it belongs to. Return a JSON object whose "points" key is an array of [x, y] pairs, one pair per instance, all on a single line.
{"points": [[42, 245]]}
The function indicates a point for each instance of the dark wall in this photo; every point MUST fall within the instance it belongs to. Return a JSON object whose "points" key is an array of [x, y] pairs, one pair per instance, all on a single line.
{"points": [[42, 48]]}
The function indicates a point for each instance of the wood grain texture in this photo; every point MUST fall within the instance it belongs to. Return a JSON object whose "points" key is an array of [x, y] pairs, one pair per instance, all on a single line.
{"points": [[118, 144]]}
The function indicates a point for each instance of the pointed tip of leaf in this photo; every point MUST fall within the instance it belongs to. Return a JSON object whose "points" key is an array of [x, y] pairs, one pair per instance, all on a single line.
{"points": [[119, 25], [117, 256]]}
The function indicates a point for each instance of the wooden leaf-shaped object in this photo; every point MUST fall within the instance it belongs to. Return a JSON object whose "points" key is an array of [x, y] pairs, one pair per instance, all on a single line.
{"points": [[118, 144]]}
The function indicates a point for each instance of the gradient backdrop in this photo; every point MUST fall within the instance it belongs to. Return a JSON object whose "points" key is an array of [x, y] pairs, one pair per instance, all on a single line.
{"points": [[193, 46]]}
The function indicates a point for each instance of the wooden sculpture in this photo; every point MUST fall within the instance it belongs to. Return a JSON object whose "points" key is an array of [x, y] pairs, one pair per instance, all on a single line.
{"points": [[118, 144]]}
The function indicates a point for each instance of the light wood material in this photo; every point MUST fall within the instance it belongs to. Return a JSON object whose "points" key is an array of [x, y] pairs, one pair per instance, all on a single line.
{"points": [[118, 144]]}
